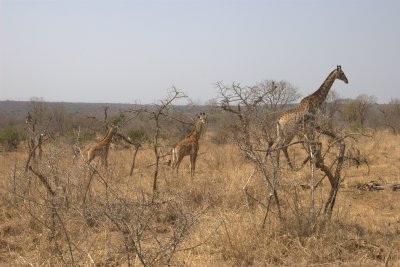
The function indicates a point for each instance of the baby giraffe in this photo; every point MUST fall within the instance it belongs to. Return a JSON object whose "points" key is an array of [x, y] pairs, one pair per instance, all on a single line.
{"points": [[101, 147], [189, 146]]}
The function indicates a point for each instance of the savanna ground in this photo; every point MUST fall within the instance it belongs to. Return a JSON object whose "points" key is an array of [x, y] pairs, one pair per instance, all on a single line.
{"points": [[102, 216]]}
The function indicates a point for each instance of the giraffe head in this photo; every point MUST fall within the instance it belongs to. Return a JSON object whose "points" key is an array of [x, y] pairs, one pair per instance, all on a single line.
{"points": [[340, 74], [202, 117]]}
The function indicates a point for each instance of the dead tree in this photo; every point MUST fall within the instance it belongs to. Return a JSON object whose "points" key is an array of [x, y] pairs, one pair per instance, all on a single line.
{"points": [[36, 136], [391, 113], [55, 219], [242, 102], [333, 149], [157, 115], [252, 137], [135, 140]]}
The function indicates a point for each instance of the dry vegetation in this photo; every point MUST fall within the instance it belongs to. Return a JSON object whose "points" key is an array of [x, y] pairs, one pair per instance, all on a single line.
{"points": [[239, 209], [102, 216]]}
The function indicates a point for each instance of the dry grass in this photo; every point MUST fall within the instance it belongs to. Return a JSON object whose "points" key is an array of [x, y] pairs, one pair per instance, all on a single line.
{"points": [[222, 228]]}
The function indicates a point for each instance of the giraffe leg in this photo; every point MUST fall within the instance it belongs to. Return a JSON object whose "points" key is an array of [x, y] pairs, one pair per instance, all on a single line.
{"points": [[178, 162], [193, 158], [91, 156], [174, 158]]}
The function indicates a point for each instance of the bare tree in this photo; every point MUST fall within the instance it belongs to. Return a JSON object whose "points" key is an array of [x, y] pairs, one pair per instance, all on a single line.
{"points": [[251, 136], [37, 124], [277, 94], [135, 138], [391, 114], [243, 102], [331, 104], [157, 114]]}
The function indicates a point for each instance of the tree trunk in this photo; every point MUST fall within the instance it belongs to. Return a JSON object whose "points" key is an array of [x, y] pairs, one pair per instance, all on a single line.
{"points": [[134, 159]]}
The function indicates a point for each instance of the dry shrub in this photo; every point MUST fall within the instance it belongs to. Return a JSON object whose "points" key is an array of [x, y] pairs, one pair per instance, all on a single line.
{"points": [[243, 243], [110, 218], [69, 206]]}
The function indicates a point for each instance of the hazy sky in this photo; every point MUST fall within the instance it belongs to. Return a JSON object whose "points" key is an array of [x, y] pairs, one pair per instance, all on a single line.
{"points": [[127, 51]]}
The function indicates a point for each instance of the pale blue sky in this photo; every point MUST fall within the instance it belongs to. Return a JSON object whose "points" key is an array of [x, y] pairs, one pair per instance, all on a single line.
{"points": [[127, 51]]}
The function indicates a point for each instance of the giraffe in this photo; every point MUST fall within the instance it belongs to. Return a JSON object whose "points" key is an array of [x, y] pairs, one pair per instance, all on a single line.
{"points": [[189, 146], [289, 122], [101, 147]]}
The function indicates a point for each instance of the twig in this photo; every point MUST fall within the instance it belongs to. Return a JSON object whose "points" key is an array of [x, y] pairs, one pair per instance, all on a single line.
{"points": [[205, 240], [280, 147], [44, 181], [66, 235], [267, 211], [245, 191], [387, 258], [32, 152]]}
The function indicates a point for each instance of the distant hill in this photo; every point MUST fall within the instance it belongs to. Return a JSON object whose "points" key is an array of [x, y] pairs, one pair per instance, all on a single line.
{"points": [[14, 112]]}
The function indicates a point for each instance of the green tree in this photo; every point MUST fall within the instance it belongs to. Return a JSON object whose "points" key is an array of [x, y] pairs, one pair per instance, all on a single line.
{"points": [[10, 137]]}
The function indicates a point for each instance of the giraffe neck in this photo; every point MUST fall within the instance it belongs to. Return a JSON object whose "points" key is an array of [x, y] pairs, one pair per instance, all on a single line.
{"points": [[108, 136], [318, 97], [196, 131]]}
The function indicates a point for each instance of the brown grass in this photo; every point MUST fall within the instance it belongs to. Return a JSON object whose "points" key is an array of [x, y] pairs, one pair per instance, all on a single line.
{"points": [[223, 228]]}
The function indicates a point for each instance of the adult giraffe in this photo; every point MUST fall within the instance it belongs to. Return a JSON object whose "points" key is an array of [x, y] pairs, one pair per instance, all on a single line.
{"points": [[289, 122]]}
